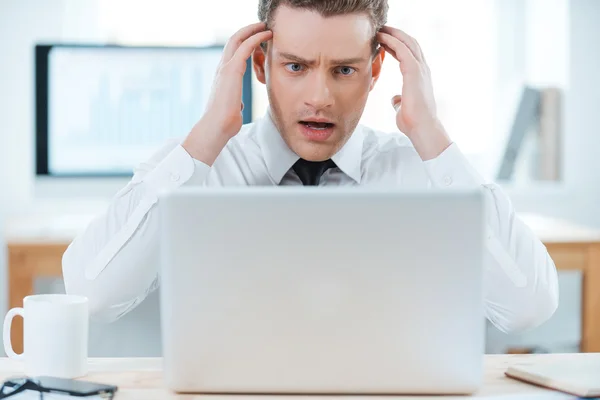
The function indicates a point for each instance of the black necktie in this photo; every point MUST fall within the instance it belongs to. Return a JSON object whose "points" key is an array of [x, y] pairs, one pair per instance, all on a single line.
{"points": [[310, 172]]}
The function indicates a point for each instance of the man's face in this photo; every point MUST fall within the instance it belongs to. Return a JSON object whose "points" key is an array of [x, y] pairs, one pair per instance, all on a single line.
{"points": [[318, 72]]}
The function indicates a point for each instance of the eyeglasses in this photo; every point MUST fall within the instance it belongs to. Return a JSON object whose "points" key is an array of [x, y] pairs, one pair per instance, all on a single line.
{"points": [[13, 387], [16, 386]]}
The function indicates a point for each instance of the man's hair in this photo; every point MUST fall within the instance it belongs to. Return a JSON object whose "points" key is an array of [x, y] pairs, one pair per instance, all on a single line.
{"points": [[376, 10]]}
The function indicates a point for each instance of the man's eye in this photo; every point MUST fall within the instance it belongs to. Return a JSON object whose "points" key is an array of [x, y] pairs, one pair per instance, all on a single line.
{"points": [[294, 67], [346, 71]]}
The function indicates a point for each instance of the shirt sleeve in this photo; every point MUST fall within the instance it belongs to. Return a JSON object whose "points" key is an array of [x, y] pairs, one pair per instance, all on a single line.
{"points": [[113, 261], [520, 278]]}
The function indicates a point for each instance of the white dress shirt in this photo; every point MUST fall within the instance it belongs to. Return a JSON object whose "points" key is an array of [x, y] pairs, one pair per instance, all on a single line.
{"points": [[114, 262]]}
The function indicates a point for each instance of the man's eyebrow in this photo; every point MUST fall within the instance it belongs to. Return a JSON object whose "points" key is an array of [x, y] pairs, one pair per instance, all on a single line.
{"points": [[354, 60], [342, 61], [295, 58]]}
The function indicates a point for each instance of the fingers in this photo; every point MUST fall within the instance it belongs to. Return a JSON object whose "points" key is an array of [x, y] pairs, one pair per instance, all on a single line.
{"points": [[408, 40], [389, 50], [239, 37], [396, 102], [247, 47], [398, 50]]}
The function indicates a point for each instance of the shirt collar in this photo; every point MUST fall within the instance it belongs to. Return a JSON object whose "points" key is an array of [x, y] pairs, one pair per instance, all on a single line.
{"points": [[279, 158], [349, 157]]}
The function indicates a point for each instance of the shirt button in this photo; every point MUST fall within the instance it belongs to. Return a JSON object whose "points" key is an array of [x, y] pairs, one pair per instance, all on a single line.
{"points": [[447, 180], [174, 177]]}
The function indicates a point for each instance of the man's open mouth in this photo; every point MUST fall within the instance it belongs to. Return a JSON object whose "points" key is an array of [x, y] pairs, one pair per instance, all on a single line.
{"points": [[317, 125]]}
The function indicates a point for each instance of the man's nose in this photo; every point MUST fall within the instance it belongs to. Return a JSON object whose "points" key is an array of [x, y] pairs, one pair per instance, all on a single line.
{"points": [[318, 92]]}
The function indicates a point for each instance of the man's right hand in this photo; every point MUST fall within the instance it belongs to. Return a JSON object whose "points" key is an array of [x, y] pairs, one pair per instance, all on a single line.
{"points": [[222, 118]]}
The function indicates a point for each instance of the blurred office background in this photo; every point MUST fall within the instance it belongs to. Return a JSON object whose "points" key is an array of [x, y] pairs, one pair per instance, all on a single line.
{"points": [[516, 82]]}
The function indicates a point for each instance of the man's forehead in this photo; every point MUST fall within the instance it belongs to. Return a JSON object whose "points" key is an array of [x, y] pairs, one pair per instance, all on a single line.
{"points": [[305, 33]]}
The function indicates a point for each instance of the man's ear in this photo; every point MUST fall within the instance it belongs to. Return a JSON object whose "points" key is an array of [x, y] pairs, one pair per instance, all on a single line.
{"points": [[376, 65], [258, 62]]}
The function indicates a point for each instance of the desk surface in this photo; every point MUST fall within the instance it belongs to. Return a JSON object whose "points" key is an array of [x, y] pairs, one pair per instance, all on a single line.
{"points": [[53, 228], [141, 378]]}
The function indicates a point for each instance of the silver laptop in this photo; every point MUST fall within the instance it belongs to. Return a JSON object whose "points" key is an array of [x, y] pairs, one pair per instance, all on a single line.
{"points": [[319, 290]]}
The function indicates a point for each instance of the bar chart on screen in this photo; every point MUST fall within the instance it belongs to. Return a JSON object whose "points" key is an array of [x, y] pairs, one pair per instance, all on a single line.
{"points": [[110, 108]]}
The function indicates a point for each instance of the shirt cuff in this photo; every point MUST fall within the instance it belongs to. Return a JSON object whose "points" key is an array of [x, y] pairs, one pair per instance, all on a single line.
{"points": [[200, 172], [172, 171], [452, 169]]}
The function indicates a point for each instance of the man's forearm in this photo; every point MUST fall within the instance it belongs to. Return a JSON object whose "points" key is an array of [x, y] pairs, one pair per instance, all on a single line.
{"points": [[430, 140], [205, 142]]}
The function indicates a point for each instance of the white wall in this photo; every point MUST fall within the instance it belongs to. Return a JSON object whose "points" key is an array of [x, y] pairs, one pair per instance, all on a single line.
{"points": [[15, 101], [583, 102], [578, 197], [22, 24]]}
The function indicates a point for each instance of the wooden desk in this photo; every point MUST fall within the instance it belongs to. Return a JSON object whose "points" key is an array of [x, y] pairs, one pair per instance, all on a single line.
{"points": [[141, 378], [36, 245]]}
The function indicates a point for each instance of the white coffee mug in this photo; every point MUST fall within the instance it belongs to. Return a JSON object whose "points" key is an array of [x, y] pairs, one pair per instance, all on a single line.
{"points": [[55, 330]]}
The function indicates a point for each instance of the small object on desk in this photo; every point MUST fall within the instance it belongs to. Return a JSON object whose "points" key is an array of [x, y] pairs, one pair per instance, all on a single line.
{"points": [[580, 376], [46, 384], [56, 335]]}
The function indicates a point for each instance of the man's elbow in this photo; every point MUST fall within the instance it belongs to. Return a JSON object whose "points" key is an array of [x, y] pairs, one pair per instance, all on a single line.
{"points": [[100, 307], [536, 309], [542, 309], [543, 302]]}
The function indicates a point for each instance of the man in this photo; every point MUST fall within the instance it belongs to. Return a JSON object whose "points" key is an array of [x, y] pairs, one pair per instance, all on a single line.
{"points": [[319, 59]]}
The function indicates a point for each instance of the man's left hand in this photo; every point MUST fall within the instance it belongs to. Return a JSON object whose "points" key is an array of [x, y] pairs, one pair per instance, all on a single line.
{"points": [[416, 114]]}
